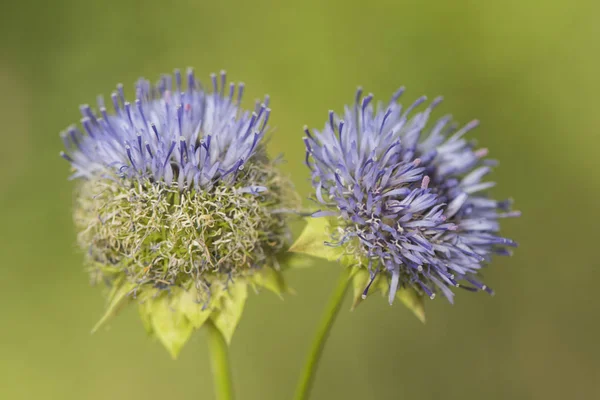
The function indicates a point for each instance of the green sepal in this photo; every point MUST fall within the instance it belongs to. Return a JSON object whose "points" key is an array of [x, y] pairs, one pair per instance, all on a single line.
{"points": [[360, 279], [270, 279], [117, 299], [312, 240], [164, 318], [413, 300], [197, 312], [227, 316], [146, 318], [289, 260], [144, 297]]}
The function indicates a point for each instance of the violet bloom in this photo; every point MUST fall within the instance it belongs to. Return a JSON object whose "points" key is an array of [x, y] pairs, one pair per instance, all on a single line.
{"points": [[169, 132], [179, 208], [409, 196]]}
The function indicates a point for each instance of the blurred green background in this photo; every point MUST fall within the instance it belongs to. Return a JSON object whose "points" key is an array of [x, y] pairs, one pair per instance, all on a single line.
{"points": [[527, 69]]}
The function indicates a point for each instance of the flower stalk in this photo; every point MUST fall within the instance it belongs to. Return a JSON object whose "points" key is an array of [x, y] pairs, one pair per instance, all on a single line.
{"points": [[219, 362], [312, 362]]}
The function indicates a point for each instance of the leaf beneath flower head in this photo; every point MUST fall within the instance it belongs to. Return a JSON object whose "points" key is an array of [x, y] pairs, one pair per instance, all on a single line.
{"points": [[117, 299], [412, 300], [270, 279], [143, 297], [146, 318], [312, 240], [289, 260], [168, 322], [360, 279], [408, 296], [227, 317], [196, 312]]}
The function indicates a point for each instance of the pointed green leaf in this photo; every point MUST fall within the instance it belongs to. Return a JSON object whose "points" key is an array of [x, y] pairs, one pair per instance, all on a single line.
{"points": [[270, 279], [146, 318], [408, 296], [197, 313], [228, 316], [312, 240], [117, 298], [360, 279], [412, 300], [290, 260], [168, 323], [144, 298]]}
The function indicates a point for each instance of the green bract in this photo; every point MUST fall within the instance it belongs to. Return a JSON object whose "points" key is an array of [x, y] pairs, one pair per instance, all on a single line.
{"points": [[315, 241]]}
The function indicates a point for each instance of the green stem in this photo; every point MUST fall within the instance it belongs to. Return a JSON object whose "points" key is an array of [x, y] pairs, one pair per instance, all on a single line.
{"points": [[312, 363], [219, 362]]}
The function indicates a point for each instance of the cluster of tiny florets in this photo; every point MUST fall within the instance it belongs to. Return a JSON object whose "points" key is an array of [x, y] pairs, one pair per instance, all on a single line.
{"points": [[170, 133], [177, 189], [159, 236], [409, 197]]}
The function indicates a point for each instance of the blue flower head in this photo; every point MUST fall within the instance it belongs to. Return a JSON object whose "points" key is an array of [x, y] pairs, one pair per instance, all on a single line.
{"points": [[169, 133], [178, 204], [408, 195]]}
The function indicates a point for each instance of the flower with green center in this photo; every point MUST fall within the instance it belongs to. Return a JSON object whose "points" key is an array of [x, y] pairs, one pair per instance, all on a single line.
{"points": [[178, 206]]}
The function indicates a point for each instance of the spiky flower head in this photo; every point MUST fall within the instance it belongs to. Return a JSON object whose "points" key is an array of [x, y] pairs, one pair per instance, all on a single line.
{"points": [[179, 205], [406, 197]]}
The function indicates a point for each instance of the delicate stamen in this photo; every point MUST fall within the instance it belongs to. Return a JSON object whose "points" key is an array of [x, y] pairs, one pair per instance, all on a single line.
{"points": [[425, 182]]}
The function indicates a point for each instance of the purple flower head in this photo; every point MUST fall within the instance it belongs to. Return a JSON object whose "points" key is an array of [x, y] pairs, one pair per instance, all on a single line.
{"points": [[178, 206], [410, 193], [170, 133]]}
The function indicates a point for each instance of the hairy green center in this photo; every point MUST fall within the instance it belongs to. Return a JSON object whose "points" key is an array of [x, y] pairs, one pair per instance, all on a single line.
{"points": [[153, 234]]}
